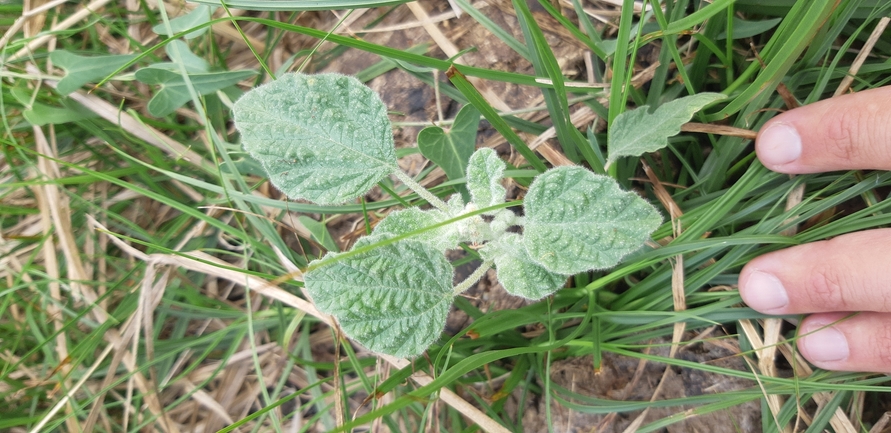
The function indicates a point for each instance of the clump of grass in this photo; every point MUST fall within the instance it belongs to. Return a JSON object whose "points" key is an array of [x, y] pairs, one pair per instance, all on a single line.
{"points": [[151, 277]]}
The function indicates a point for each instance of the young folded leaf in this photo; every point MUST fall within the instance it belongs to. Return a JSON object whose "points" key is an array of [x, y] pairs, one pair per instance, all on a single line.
{"points": [[637, 131], [392, 299], [325, 138], [578, 221], [517, 272]]}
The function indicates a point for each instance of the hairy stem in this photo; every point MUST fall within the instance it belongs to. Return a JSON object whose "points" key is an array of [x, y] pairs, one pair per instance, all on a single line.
{"points": [[420, 190], [473, 278]]}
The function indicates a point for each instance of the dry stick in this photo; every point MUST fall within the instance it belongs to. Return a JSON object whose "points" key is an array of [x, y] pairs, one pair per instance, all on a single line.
{"points": [[709, 128], [881, 424], [20, 21], [861, 57], [643, 415], [35, 24], [66, 23], [677, 274], [142, 131], [86, 376], [61, 216], [677, 285], [54, 207], [51, 265]]}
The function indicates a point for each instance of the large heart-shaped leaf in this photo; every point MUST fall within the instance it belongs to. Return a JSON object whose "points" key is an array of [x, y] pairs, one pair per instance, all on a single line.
{"points": [[451, 150], [578, 221], [393, 299], [324, 138]]}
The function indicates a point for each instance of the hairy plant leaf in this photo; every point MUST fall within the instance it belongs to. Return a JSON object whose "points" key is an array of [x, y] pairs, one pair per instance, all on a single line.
{"points": [[451, 150], [174, 93], [411, 219], [196, 17], [484, 173], [637, 131], [517, 272], [393, 299], [80, 70], [325, 138], [578, 221]]}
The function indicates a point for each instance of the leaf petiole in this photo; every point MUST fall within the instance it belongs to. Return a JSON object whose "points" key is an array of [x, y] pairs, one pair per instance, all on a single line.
{"points": [[420, 190], [473, 278]]}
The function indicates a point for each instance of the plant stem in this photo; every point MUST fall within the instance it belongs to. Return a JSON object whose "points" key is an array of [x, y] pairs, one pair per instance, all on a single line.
{"points": [[420, 190], [473, 278]]}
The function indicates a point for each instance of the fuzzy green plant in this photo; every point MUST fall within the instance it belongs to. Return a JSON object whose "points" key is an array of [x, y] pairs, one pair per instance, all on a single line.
{"points": [[326, 138]]}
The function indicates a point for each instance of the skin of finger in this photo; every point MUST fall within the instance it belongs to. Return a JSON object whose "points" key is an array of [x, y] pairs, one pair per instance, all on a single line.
{"points": [[868, 338], [846, 273], [847, 132]]}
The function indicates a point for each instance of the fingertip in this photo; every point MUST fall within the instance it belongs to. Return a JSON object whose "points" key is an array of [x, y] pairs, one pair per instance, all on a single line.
{"points": [[778, 145], [843, 133], [822, 343], [761, 289]]}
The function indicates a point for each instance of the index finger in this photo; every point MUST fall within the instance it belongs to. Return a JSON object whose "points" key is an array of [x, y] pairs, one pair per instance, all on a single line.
{"points": [[845, 133]]}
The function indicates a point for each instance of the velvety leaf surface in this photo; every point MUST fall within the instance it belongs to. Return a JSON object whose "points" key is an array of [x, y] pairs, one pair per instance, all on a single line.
{"points": [[517, 272], [484, 173], [637, 131], [325, 138], [393, 299], [578, 221], [411, 219]]}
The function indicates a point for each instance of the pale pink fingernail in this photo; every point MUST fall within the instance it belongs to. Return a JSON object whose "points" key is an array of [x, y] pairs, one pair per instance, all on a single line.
{"points": [[779, 144], [764, 292], [823, 345]]}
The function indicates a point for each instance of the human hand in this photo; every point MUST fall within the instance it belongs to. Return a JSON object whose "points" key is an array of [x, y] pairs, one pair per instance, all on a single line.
{"points": [[830, 279]]}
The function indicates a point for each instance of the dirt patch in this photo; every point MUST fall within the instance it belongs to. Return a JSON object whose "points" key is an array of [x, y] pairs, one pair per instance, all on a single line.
{"points": [[623, 378]]}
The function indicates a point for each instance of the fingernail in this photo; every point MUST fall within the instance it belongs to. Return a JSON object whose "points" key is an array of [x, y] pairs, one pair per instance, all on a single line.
{"points": [[779, 144], [824, 345], [765, 293]]}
